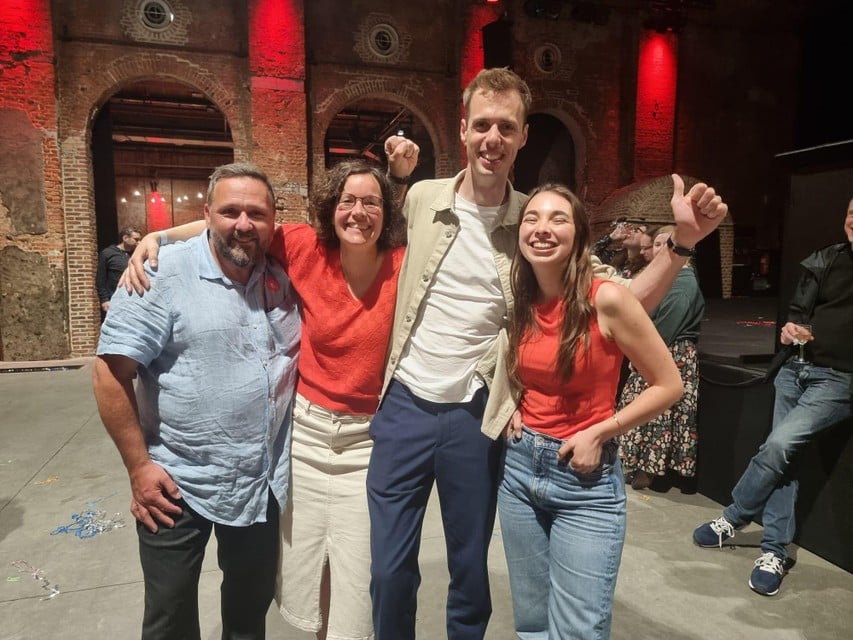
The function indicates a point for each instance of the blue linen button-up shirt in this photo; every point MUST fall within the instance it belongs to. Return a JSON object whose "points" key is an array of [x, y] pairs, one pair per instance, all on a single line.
{"points": [[217, 376]]}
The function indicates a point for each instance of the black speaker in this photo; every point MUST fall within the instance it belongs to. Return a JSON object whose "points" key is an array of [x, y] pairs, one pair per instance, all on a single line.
{"points": [[497, 44]]}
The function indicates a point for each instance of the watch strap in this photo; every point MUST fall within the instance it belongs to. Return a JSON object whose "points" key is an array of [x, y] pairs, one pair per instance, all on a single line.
{"points": [[684, 252], [398, 180]]}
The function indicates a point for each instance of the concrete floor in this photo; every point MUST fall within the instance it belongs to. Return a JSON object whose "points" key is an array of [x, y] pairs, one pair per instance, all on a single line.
{"points": [[56, 460]]}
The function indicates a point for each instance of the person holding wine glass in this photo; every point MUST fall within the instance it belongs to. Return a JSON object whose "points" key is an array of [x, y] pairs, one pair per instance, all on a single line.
{"points": [[813, 393], [802, 335]]}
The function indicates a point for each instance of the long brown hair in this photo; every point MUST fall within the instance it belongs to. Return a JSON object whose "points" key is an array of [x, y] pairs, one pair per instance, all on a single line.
{"points": [[577, 282]]}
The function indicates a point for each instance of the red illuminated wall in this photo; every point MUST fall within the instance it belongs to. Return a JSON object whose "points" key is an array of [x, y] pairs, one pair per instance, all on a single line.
{"points": [[472, 42], [279, 116], [656, 95], [159, 216], [472, 47], [26, 58]]}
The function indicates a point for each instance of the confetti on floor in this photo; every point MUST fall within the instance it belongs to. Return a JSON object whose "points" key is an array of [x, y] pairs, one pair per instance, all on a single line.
{"points": [[37, 574], [90, 523]]}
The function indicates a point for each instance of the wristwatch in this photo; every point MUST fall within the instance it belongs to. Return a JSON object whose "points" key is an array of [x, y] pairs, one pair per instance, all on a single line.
{"points": [[684, 252], [399, 180]]}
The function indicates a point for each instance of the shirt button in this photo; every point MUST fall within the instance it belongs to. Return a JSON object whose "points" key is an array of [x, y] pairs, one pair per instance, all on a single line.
{"points": [[448, 234], [408, 319], [425, 277]]}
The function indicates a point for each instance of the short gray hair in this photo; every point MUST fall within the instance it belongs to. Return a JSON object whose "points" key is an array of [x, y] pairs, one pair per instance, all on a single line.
{"points": [[238, 170]]}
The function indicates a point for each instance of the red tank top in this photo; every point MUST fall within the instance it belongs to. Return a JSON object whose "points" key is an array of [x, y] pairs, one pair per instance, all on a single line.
{"points": [[558, 408]]}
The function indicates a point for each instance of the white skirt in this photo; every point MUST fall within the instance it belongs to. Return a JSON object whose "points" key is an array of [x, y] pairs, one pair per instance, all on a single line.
{"points": [[326, 519]]}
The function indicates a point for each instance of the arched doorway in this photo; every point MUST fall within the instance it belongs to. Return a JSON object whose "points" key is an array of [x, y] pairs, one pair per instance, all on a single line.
{"points": [[548, 156], [154, 144], [360, 129]]}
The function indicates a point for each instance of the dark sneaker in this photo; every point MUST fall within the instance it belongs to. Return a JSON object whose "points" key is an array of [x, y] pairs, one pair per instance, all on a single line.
{"points": [[767, 574], [714, 533]]}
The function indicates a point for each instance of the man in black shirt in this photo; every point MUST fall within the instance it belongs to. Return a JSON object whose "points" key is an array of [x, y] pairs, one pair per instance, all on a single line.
{"points": [[812, 394], [111, 264]]}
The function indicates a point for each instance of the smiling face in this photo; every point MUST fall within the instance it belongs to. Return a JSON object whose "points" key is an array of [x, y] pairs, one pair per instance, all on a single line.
{"points": [[359, 214], [546, 232], [240, 219], [493, 132]]}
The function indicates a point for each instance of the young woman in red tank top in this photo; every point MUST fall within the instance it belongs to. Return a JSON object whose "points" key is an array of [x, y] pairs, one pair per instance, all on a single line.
{"points": [[562, 496]]}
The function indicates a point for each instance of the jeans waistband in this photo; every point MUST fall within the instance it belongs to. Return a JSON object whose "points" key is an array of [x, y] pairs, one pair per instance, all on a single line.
{"points": [[550, 442]]}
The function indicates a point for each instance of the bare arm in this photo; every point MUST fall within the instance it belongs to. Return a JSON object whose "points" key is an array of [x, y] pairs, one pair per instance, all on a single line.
{"points": [[134, 278], [622, 318], [402, 159], [154, 491], [696, 213]]}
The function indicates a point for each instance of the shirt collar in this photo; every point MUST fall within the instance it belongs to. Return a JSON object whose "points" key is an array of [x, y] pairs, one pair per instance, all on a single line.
{"points": [[510, 208]]}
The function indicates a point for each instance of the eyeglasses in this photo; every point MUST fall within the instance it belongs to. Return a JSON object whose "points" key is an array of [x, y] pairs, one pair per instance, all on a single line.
{"points": [[371, 204]]}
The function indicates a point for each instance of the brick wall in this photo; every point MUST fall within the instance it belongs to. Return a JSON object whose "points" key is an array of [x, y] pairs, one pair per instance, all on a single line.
{"points": [[27, 84], [280, 70]]}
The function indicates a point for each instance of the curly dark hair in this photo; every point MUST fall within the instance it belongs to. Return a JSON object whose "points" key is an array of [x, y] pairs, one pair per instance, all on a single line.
{"points": [[327, 193], [577, 282]]}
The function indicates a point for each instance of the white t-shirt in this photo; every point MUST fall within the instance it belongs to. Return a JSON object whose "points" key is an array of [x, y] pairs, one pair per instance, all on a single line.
{"points": [[463, 312]]}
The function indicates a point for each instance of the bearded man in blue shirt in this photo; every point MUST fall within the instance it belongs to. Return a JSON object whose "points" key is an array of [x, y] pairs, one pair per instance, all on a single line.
{"points": [[205, 436]]}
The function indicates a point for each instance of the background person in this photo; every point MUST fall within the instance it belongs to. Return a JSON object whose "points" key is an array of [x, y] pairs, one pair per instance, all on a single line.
{"points": [[632, 254], [562, 496], [810, 396], [345, 270], [205, 438], [667, 444], [112, 261]]}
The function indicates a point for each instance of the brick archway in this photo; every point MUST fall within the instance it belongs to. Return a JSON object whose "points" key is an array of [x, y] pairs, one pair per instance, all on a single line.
{"points": [[578, 129], [76, 118], [391, 90]]}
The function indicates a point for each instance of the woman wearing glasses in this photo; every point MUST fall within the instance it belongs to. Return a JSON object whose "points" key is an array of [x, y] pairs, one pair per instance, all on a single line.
{"points": [[345, 268]]}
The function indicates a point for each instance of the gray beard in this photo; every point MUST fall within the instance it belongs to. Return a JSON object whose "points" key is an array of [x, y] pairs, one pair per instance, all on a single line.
{"points": [[234, 254]]}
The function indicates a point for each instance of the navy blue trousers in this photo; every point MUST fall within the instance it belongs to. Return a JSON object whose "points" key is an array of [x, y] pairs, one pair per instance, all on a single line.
{"points": [[418, 443]]}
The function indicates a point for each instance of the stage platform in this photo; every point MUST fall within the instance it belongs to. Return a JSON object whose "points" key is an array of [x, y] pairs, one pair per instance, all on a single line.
{"points": [[739, 331]]}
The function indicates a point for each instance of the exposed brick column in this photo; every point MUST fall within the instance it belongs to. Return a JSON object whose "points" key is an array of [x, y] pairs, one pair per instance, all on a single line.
{"points": [[32, 222], [727, 252], [657, 74], [279, 103], [79, 197]]}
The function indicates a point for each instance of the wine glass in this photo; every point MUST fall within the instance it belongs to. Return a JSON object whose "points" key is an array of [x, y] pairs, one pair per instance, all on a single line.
{"points": [[804, 334]]}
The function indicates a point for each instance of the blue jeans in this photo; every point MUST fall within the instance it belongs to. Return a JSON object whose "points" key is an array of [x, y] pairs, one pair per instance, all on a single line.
{"points": [[563, 535], [417, 443], [809, 399]]}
